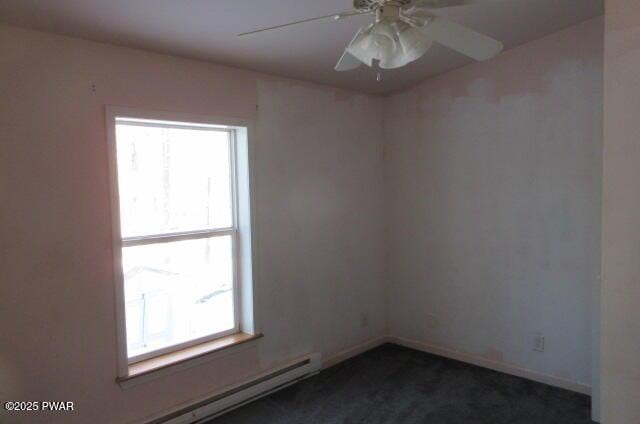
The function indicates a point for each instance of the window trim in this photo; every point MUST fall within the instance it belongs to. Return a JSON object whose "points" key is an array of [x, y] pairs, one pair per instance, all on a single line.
{"points": [[243, 273], [193, 235]]}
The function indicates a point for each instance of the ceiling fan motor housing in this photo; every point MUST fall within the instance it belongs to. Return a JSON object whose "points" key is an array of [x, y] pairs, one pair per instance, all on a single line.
{"points": [[369, 5]]}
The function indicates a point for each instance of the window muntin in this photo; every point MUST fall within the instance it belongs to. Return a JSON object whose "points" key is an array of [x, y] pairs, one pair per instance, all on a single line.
{"points": [[177, 214]]}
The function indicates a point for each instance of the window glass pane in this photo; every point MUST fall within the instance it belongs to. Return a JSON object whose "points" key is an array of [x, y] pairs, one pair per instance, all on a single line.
{"points": [[176, 292], [172, 179]]}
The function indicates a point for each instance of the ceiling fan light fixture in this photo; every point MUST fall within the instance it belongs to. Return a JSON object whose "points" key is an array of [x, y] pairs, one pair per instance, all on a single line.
{"points": [[378, 41], [403, 32], [413, 44], [360, 47], [410, 46]]}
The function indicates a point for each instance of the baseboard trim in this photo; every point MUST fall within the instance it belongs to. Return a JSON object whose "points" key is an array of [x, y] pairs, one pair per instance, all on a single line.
{"points": [[354, 351], [446, 353], [493, 365]]}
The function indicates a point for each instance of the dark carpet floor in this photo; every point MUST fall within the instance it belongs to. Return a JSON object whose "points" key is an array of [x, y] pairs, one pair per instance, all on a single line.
{"points": [[393, 384]]}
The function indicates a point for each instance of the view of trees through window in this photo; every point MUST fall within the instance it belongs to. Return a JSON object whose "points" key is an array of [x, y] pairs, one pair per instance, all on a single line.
{"points": [[176, 213]]}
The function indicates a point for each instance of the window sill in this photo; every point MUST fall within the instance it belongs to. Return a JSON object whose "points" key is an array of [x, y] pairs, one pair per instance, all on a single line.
{"points": [[185, 358]]}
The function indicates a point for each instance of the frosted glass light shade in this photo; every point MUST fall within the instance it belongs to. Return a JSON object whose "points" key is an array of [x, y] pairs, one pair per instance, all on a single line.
{"points": [[414, 44], [375, 42], [393, 44]]}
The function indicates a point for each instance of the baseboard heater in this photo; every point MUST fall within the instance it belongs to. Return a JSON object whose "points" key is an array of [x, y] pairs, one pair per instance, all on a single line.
{"points": [[244, 393]]}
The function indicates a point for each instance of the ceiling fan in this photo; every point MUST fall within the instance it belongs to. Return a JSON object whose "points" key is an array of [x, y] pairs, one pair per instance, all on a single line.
{"points": [[403, 31]]}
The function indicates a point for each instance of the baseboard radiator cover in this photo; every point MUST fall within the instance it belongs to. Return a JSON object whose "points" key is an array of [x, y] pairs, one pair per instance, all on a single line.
{"points": [[241, 394]]}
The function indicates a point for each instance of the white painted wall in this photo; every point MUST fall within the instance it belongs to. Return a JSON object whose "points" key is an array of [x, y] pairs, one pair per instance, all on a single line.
{"points": [[493, 193], [320, 219], [621, 212], [319, 232]]}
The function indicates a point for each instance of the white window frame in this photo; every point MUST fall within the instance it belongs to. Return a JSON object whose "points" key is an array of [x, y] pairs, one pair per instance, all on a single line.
{"points": [[240, 180]]}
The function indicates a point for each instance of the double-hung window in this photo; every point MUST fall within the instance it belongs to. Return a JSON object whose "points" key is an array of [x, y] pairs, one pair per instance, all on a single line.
{"points": [[177, 197]]}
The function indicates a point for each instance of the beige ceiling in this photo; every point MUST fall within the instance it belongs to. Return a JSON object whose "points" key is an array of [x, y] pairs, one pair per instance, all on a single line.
{"points": [[205, 29]]}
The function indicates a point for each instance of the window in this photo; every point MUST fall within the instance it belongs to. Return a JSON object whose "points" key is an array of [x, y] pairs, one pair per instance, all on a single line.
{"points": [[178, 190]]}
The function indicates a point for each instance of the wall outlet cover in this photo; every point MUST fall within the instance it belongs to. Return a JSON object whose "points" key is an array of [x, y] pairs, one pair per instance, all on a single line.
{"points": [[538, 343]]}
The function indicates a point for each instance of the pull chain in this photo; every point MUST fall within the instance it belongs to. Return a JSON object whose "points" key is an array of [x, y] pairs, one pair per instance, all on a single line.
{"points": [[379, 77]]}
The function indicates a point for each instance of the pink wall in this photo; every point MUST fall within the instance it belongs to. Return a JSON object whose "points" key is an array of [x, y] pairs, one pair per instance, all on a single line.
{"points": [[319, 220], [621, 212], [493, 176]]}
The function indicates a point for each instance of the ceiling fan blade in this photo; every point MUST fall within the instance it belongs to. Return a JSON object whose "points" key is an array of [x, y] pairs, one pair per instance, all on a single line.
{"points": [[439, 4], [462, 39], [335, 16]]}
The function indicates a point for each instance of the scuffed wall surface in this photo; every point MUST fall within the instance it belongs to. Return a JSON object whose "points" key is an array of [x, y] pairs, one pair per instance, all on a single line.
{"points": [[621, 212], [493, 194], [318, 173]]}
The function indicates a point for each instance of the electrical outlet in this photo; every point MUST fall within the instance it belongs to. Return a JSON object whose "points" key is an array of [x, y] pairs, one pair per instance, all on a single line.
{"points": [[538, 343], [364, 320]]}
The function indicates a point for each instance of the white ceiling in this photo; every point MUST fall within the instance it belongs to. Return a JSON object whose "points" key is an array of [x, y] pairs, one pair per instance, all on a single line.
{"points": [[205, 29]]}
